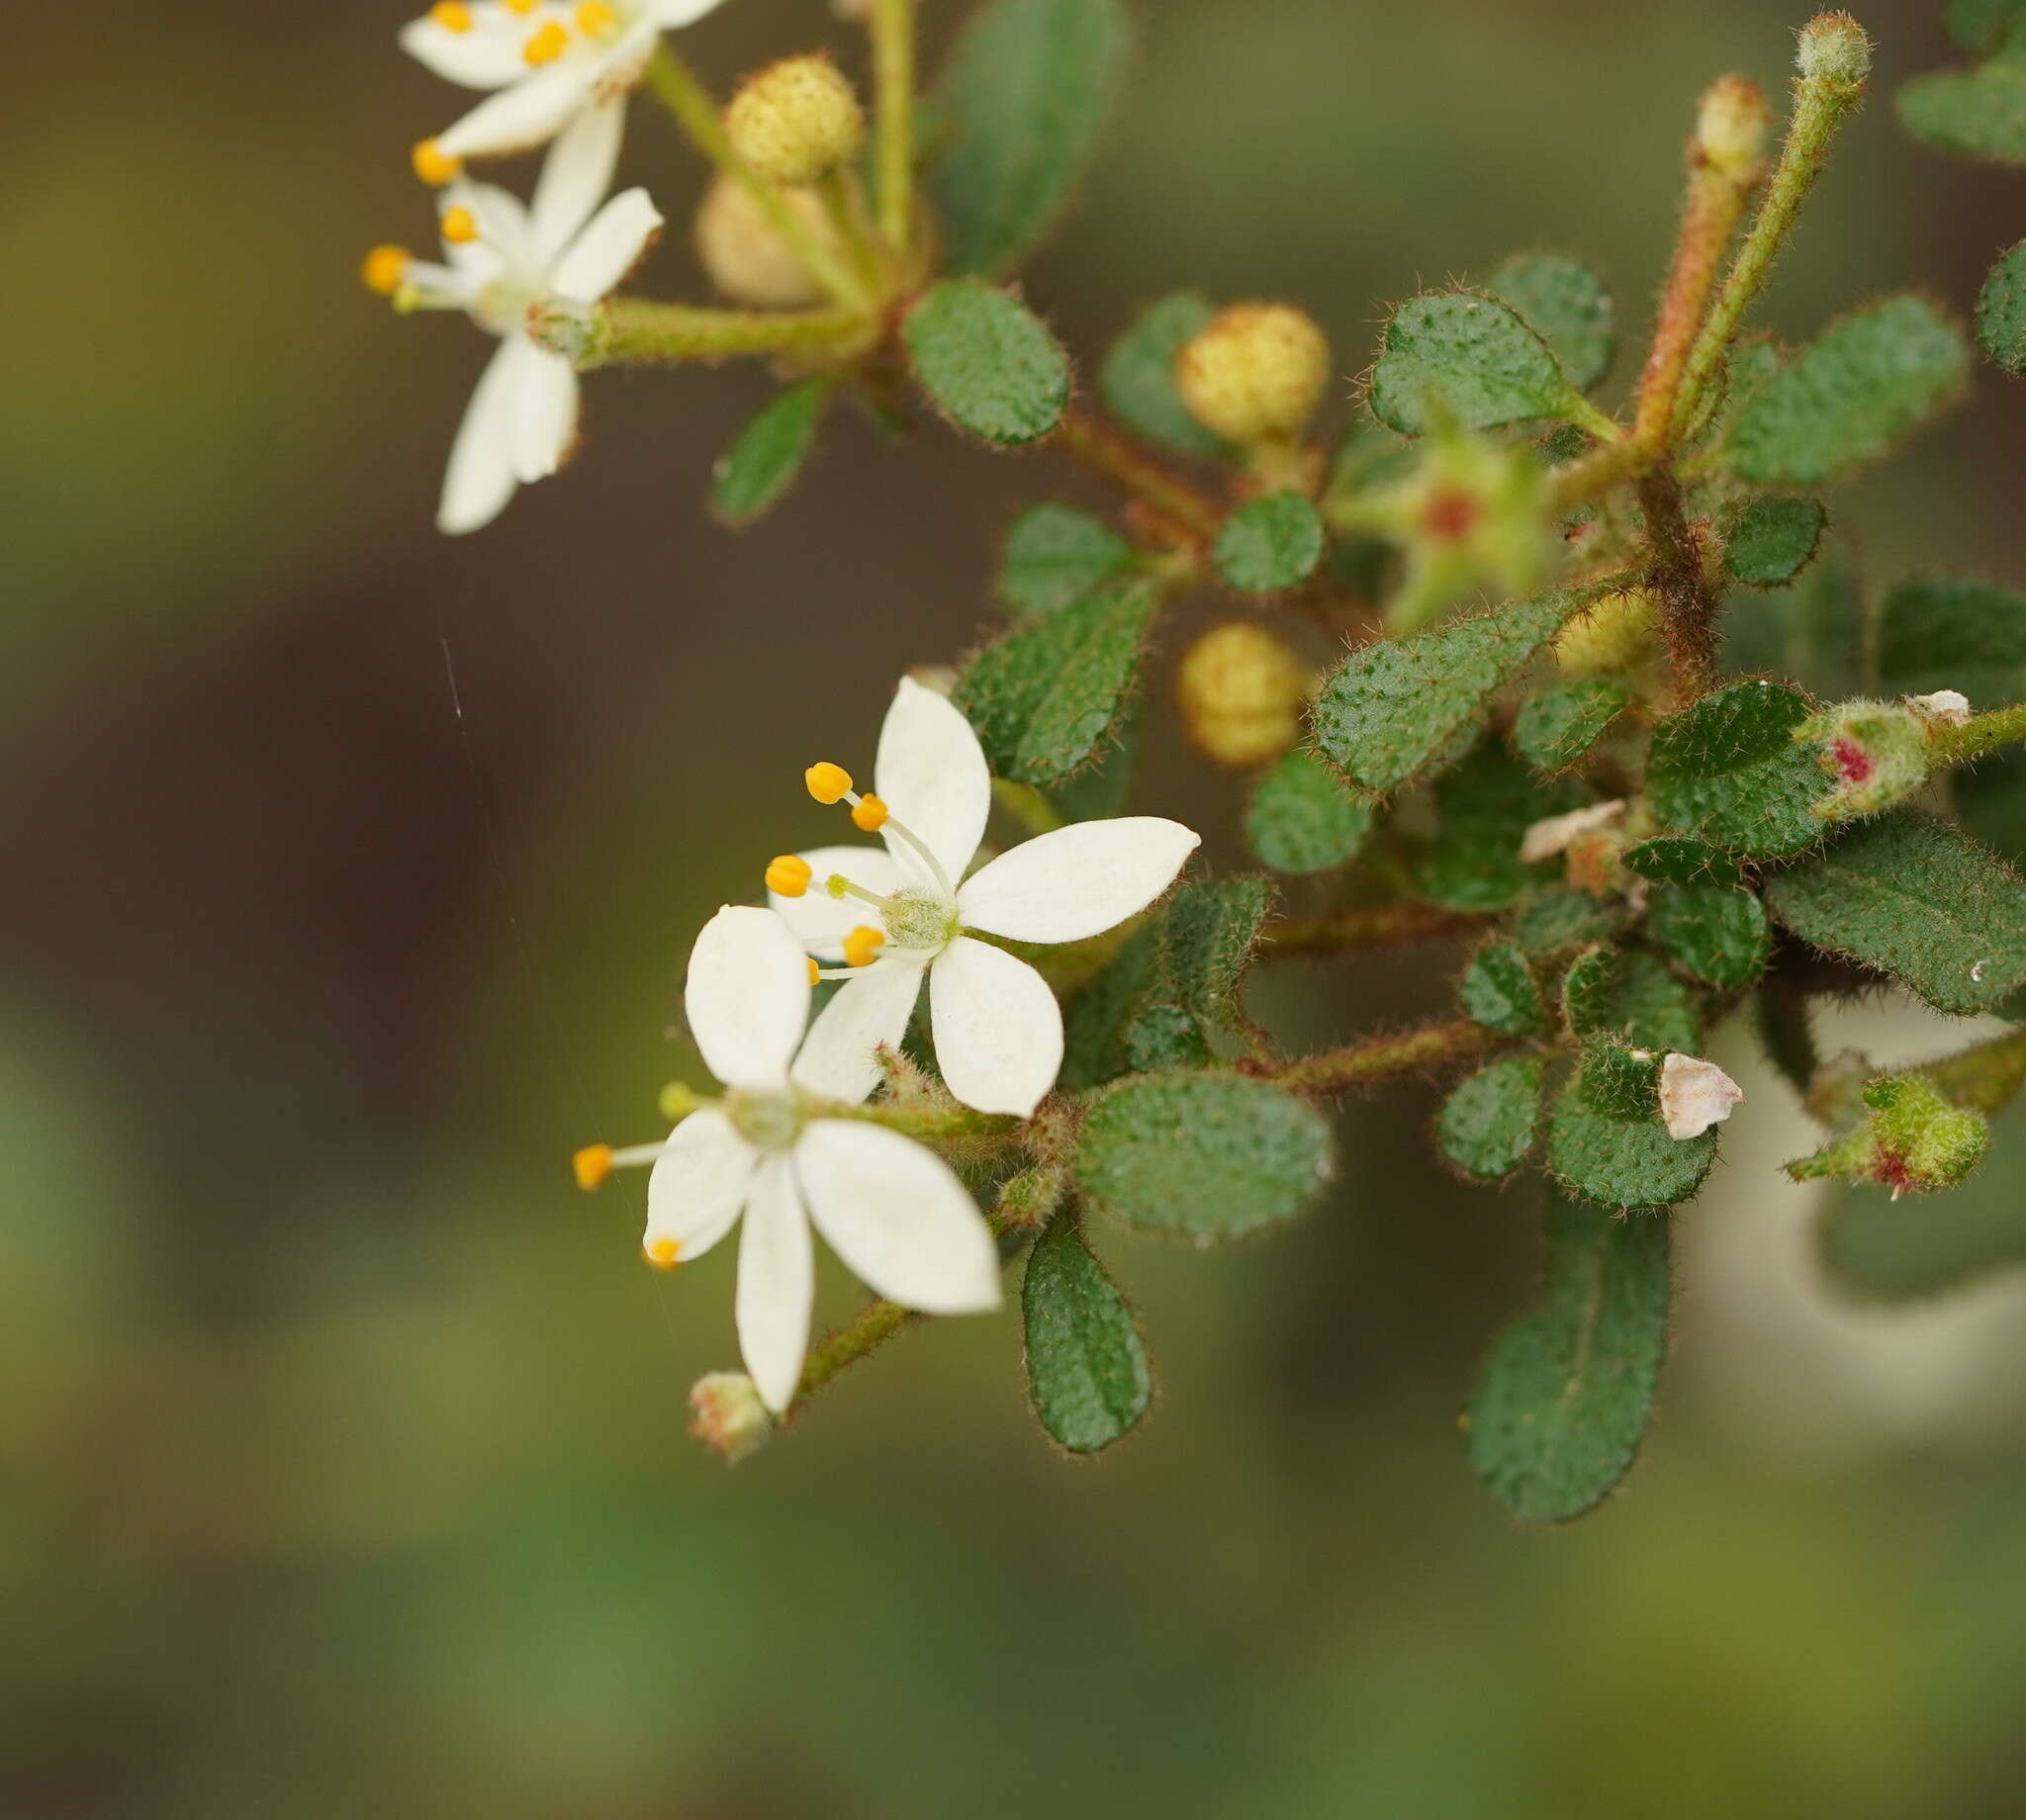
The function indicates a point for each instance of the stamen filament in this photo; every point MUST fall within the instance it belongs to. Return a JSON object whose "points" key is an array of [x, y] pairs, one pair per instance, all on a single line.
{"points": [[837, 886]]}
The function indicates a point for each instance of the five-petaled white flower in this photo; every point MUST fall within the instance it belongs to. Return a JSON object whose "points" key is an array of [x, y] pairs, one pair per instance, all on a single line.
{"points": [[503, 259], [892, 1210], [997, 1029], [549, 64]]}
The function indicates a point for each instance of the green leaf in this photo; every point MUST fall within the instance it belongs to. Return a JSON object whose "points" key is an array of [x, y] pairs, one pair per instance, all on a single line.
{"points": [[1024, 95], [986, 362], [1975, 113], [1650, 1007], [1567, 1391], [1086, 1365], [1979, 26], [1164, 1036], [761, 465], [1991, 802], [1916, 898], [1589, 989], [1044, 698], [1054, 556], [1812, 631], [1208, 1155], [1901, 1249], [1566, 918], [1499, 991], [1606, 1144], [1213, 927], [1718, 932], [1952, 632], [1100, 790], [1844, 401], [1730, 771], [1561, 724], [1397, 705], [1485, 806], [1273, 542], [1767, 542], [1678, 859], [1301, 819], [2001, 312], [1565, 303], [1099, 1019], [1486, 1125], [1465, 356], [1137, 378]]}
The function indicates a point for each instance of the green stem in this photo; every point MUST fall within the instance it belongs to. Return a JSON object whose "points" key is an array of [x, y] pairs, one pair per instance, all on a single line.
{"points": [[1986, 1078], [1377, 1059], [1193, 515], [1589, 476], [1984, 733], [1027, 806], [1373, 925], [1822, 103], [893, 103], [843, 203], [634, 329], [696, 113], [873, 1325], [928, 1123]]}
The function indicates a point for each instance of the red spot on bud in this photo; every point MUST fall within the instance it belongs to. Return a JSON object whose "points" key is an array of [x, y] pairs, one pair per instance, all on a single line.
{"points": [[1449, 516], [1853, 764], [1891, 1172]]}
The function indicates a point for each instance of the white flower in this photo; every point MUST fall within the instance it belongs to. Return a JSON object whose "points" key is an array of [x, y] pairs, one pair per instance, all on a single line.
{"points": [[1947, 706], [502, 260], [1548, 838], [548, 64], [997, 1029], [1695, 1095], [892, 1210]]}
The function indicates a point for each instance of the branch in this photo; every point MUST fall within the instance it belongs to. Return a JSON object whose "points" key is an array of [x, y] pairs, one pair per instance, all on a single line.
{"points": [[1377, 1059], [1689, 605], [1190, 515], [1374, 926]]}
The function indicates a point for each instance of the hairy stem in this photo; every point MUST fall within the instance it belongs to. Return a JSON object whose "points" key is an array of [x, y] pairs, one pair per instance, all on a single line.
{"points": [[1122, 461], [870, 1328], [1371, 926], [1984, 733], [634, 329], [1377, 1059], [930, 1124], [679, 90], [1689, 604], [893, 25]]}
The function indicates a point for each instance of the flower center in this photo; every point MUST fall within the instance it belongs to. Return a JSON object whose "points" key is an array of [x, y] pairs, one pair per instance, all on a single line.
{"points": [[919, 920], [767, 1121]]}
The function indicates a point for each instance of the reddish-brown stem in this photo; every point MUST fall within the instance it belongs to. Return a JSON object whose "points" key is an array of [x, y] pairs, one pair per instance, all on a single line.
{"points": [[1689, 604], [1709, 216], [1377, 1059], [1373, 925], [1192, 514]]}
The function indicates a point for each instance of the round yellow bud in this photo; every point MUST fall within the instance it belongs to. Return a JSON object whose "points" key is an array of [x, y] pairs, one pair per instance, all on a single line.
{"points": [[1734, 129], [1256, 373], [1241, 691], [795, 121], [745, 258], [1617, 634]]}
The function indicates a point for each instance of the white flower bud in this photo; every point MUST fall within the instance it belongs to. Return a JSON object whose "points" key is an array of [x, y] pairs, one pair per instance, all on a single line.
{"points": [[730, 1419], [1834, 49]]}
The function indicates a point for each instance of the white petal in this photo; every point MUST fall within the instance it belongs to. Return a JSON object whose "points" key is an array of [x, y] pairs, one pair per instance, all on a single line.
{"points": [[671, 14], [997, 1026], [776, 1283], [487, 56], [480, 480], [1695, 1095], [544, 410], [1548, 838], [575, 177], [1077, 881], [898, 1217], [533, 110], [504, 243], [836, 1059], [747, 998], [931, 773], [607, 249], [820, 920], [699, 1185]]}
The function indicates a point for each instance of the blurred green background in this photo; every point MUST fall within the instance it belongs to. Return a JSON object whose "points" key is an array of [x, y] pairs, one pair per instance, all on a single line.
{"points": [[349, 877]]}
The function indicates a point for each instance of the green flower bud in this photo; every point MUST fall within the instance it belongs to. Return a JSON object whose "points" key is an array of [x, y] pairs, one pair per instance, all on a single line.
{"points": [[729, 1416], [1876, 753], [1914, 1141], [796, 121], [1834, 51]]}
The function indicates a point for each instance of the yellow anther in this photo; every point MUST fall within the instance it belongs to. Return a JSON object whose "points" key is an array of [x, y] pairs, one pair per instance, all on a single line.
{"points": [[594, 19], [433, 167], [382, 269], [869, 815], [452, 14], [522, 7], [459, 227], [593, 1164], [546, 45], [664, 1253], [815, 972], [789, 875], [862, 945], [827, 782]]}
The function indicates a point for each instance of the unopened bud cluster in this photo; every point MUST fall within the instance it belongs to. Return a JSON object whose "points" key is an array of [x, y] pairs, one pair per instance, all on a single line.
{"points": [[1734, 130], [1914, 1141], [1241, 690], [795, 121], [1256, 373]]}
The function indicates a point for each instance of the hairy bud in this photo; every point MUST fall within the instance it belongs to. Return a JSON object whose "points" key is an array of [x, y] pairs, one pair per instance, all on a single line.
{"points": [[1241, 690], [1914, 1139], [796, 121], [745, 258], [1734, 129], [1834, 51], [1256, 373], [1876, 753], [1617, 634], [727, 1414]]}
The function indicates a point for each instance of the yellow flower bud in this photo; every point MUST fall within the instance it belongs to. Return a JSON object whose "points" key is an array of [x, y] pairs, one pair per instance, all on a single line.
{"points": [[796, 121], [1615, 635], [746, 259], [1241, 691], [1256, 373], [1734, 129]]}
